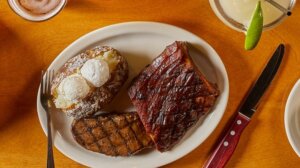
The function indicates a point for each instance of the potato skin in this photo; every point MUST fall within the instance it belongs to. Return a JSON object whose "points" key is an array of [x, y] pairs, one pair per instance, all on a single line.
{"points": [[98, 97]]}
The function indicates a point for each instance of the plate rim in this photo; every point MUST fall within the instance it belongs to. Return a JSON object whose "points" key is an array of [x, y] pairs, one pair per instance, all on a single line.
{"points": [[88, 35], [287, 113]]}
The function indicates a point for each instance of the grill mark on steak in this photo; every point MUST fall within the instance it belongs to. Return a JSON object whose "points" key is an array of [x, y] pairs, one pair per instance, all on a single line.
{"points": [[113, 134], [90, 131], [145, 76], [106, 135], [105, 129], [154, 96], [135, 133], [170, 96], [161, 118], [123, 139], [81, 141]]}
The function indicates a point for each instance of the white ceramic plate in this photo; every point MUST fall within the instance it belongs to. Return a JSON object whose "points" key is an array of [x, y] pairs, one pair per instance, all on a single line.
{"points": [[140, 42], [292, 118]]}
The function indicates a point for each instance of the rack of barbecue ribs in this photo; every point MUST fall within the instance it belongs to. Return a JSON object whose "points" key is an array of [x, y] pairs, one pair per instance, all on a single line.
{"points": [[171, 95]]}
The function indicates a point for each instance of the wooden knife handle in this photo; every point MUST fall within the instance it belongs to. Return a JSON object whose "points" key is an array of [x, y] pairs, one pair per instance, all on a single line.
{"points": [[226, 147]]}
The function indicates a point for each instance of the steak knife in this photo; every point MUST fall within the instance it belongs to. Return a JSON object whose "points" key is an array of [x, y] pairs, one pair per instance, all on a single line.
{"points": [[228, 143]]}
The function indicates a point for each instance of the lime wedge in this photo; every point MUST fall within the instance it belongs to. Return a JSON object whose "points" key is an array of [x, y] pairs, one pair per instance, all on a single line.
{"points": [[255, 28]]}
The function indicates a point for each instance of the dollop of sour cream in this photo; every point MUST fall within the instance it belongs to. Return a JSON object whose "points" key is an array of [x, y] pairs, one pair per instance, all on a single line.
{"points": [[70, 90], [39, 6], [96, 71]]}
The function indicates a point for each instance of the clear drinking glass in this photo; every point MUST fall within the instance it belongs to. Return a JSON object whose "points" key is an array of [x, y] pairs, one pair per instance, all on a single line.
{"points": [[237, 13], [26, 14]]}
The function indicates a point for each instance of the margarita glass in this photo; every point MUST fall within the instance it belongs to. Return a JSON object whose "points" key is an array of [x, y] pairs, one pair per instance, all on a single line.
{"points": [[237, 13]]}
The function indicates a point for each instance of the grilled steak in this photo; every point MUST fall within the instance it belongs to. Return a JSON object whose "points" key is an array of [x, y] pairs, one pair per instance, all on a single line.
{"points": [[113, 134], [170, 96]]}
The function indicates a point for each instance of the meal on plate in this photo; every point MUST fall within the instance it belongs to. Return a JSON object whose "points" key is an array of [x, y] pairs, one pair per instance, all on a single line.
{"points": [[89, 81], [170, 96], [113, 134]]}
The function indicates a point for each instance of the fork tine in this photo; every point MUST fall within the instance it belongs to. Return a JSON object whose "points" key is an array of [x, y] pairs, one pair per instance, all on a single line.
{"points": [[49, 81], [42, 84], [46, 82], [52, 77]]}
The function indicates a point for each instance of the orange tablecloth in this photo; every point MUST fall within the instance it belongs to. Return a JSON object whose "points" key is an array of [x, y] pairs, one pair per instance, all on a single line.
{"points": [[28, 47]]}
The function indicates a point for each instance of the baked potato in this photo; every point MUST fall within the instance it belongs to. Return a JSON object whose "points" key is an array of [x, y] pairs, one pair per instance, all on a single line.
{"points": [[89, 81]]}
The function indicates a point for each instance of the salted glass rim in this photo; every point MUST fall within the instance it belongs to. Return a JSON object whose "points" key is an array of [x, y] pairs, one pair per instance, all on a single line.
{"points": [[218, 10]]}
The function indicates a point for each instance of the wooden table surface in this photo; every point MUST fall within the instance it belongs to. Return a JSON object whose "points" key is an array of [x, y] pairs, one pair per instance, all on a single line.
{"points": [[28, 47]]}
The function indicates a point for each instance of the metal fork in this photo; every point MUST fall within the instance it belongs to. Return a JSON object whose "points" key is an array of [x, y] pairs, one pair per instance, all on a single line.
{"points": [[45, 96]]}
